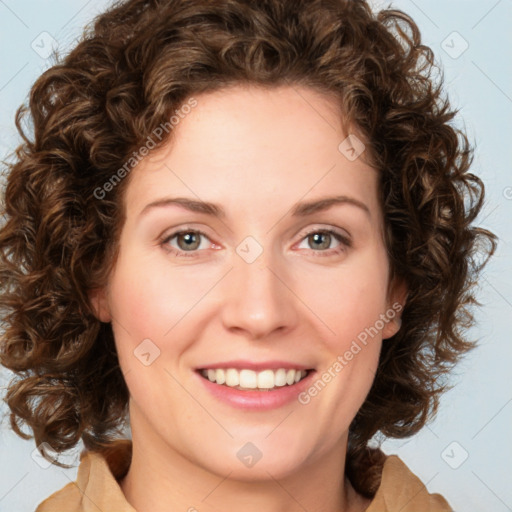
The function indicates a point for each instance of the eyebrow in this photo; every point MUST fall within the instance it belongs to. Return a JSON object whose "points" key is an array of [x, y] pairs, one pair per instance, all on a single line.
{"points": [[298, 210]]}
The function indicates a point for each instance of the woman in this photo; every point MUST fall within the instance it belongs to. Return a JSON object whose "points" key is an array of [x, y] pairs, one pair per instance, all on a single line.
{"points": [[160, 270]]}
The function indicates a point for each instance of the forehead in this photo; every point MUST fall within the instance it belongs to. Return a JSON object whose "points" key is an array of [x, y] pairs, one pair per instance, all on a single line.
{"points": [[247, 145]]}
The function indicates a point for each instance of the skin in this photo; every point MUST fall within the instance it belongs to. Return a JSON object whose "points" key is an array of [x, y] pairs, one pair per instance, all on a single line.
{"points": [[256, 152]]}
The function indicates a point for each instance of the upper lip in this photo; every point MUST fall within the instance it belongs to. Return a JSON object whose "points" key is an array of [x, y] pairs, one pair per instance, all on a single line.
{"points": [[256, 366]]}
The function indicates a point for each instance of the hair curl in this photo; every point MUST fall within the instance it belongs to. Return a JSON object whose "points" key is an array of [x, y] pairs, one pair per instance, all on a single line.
{"points": [[129, 72]]}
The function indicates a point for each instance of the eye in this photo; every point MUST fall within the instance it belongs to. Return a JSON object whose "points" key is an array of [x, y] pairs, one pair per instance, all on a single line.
{"points": [[187, 241], [322, 238]]}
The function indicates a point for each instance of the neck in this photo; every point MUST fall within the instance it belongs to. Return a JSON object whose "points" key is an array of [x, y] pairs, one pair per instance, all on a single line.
{"points": [[161, 478]]}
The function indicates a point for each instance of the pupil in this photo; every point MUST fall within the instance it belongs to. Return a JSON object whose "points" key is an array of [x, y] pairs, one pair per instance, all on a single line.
{"points": [[190, 239], [316, 238]]}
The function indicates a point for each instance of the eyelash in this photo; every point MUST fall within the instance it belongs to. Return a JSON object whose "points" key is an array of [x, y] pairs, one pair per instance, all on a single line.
{"points": [[345, 242]]}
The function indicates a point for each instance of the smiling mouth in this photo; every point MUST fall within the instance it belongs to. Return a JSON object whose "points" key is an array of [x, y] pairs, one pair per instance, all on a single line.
{"points": [[250, 380]]}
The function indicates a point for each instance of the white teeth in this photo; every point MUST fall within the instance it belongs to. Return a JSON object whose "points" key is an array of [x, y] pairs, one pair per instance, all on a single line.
{"points": [[280, 377], [232, 377], [249, 379], [219, 376], [266, 379]]}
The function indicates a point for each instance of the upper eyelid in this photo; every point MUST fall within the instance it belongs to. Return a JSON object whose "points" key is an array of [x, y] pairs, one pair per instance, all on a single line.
{"points": [[339, 231], [343, 238]]}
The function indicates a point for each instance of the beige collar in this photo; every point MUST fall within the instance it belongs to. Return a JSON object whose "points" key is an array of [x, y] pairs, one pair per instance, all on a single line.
{"points": [[97, 487]]}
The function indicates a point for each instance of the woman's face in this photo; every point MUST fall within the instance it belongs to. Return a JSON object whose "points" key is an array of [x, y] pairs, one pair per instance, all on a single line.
{"points": [[264, 286]]}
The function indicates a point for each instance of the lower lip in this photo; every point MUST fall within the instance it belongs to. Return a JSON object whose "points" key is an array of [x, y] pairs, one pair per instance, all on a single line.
{"points": [[257, 400]]}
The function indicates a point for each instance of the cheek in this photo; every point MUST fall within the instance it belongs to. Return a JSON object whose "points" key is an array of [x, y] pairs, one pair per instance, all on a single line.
{"points": [[147, 300], [349, 301]]}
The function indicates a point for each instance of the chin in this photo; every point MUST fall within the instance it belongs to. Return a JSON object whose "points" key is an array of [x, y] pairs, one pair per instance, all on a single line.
{"points": [[249, 461]]}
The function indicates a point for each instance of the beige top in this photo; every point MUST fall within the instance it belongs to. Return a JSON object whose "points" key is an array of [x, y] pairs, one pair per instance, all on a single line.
{"points": [[97, 488]]}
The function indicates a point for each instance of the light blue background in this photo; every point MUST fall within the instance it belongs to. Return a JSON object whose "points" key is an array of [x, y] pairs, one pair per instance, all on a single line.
{"points": [[477, 413]]}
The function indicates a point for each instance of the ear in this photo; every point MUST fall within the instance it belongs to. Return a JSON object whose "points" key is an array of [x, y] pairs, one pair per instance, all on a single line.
{"points": [[397, 296], [99, 303]]}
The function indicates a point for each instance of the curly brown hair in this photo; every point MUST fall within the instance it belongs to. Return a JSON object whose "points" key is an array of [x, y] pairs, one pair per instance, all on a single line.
{"points": [[130, 71]]}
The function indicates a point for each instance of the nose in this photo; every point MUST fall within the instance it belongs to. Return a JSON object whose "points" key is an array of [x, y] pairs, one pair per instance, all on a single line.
{"points": [[258, 300]]}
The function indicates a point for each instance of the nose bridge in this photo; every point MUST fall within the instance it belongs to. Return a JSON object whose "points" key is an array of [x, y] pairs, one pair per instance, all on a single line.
{"points": [[257, 299]]}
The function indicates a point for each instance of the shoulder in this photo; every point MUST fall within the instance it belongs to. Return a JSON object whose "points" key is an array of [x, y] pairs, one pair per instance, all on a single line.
{"points": [[96, 485], [400, 489]]}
